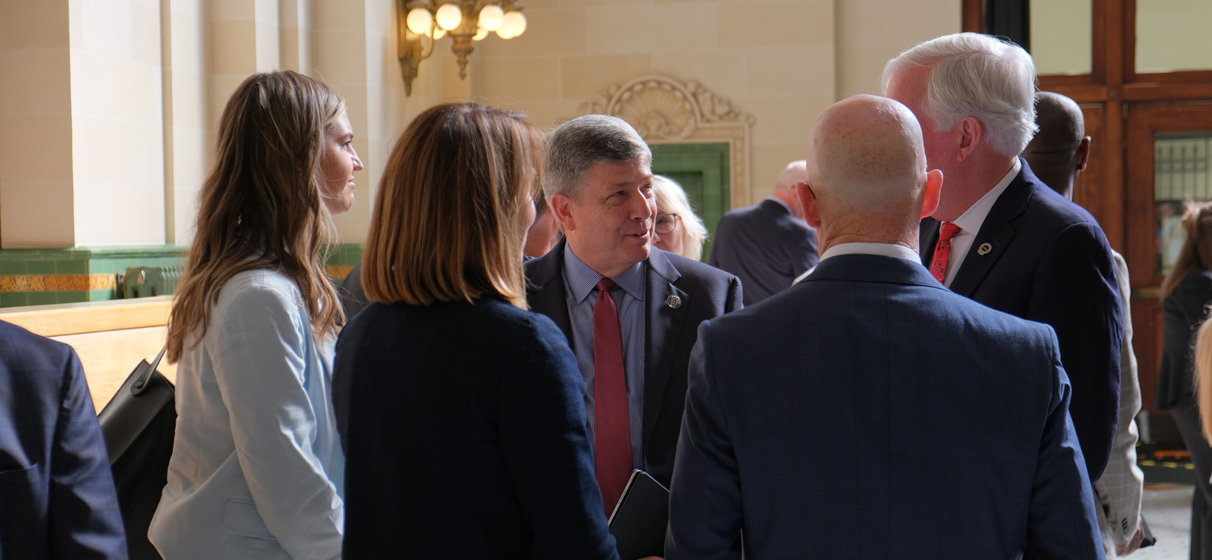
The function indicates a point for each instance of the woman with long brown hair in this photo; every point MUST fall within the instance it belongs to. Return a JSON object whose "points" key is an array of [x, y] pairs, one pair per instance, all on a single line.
{"points": [[1186, 292], [462, 413], [257, 468]]}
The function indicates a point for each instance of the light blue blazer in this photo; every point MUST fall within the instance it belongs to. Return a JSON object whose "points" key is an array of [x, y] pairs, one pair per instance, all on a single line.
{"points": [[257, 469]]}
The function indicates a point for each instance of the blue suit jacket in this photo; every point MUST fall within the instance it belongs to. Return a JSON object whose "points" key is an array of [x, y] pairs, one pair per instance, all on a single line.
{"points": [[868, 412], [703, 292], [1048, 261], [765, 246], [57, 496]]}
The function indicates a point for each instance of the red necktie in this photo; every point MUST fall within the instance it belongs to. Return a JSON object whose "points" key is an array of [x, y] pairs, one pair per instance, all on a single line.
{"points": [[612, 429], [942, 252]]}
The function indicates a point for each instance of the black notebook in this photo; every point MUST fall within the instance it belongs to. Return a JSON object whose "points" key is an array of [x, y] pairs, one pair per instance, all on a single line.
{"points": [[639, 519]]}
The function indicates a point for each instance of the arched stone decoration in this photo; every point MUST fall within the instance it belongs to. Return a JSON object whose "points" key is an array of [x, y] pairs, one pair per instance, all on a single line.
{"points": [[666, 111]]}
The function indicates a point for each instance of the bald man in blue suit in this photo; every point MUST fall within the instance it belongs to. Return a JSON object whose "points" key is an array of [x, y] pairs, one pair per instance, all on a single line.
{"points": [[57, 498], [869, 412]]}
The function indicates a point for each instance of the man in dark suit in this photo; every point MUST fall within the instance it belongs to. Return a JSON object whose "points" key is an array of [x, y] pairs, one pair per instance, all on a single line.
{"points": [[57, 496], [1007, 240], [605, 278], [868, 412], [1058, 154], [767, 245]]}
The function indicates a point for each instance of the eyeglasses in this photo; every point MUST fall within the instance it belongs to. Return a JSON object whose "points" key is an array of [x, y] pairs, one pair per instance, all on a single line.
{"points": [[665, 223]]}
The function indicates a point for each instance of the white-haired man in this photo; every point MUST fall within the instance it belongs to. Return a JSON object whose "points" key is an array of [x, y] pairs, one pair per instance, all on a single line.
{"points": [[999, 235]]}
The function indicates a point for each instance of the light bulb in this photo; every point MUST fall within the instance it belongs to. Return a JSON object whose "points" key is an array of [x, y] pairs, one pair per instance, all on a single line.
{"points": [[512, 25], [420, 21], [481, 33], [438, 33], [449, 16], [491, 17]]}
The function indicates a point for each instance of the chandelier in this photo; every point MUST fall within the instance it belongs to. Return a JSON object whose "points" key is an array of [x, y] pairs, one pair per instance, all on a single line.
{"points": [[420, 23]]}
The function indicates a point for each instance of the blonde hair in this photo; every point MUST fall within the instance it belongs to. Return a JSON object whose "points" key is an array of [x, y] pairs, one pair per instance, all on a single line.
{"points": [[1203, 376], [1197, 249], [671, 199], [447, 222]]}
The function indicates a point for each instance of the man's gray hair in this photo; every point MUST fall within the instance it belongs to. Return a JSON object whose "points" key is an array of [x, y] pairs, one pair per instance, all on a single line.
{"points": [[979, 76], [583, 142]]}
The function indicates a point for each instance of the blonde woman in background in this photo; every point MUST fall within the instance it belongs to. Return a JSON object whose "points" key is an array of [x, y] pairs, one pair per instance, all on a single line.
{"points": [[678, 229], [1186, 292], [257, 469]]}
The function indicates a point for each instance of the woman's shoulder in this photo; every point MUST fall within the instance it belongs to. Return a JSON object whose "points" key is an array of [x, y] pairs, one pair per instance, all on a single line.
{"points": [[257, 290]]}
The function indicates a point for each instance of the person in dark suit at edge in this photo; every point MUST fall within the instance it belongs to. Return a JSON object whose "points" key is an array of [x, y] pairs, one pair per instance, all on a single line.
{"points": [[999, 235], [57, 498], [952, 417], [598, 183], [1058, 154], [767, 245]]}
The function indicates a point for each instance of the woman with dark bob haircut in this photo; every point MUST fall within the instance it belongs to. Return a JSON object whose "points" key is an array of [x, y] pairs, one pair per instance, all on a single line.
{"points": [[461, 413]]}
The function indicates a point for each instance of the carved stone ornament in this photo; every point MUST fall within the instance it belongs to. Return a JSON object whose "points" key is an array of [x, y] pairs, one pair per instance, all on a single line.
{"points": [[666, 111]]}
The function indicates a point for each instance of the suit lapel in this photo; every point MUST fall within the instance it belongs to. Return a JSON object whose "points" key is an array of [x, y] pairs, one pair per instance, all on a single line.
{"points": [[995, 235], [665, 318], [545, 290]]}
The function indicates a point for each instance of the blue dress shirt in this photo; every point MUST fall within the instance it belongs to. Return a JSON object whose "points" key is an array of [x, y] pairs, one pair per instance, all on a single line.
{"points": [[581, 282]]}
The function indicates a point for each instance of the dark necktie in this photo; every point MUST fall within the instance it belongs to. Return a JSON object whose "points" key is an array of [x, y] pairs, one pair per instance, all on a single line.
{"points": [[942, 252], [612, 429]]}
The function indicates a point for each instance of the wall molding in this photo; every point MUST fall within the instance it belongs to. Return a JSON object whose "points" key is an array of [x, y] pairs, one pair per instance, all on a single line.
{"points": [[667, 111]]}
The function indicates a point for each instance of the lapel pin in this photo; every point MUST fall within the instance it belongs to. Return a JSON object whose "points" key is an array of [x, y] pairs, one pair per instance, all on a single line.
{"points": [[984, 249], [673, 302]]}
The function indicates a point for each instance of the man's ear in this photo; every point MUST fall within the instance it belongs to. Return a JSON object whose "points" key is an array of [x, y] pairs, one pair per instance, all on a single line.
{"points": [[561, 208], [934, 187], [812, 214], [1083, 154], [968, 134]]}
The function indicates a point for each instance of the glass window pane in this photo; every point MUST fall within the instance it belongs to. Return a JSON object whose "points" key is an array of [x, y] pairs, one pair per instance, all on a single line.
{"points": [[1061, 36], [1180, 174], [1172, 35]]}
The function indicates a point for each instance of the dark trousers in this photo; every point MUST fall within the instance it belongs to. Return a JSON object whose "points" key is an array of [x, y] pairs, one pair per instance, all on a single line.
{"points": [[1186, 417]]}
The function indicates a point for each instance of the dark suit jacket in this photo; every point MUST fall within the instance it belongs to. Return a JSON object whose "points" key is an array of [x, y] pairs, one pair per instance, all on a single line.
{"points": [[1048, 261], [868, 412], [703, 292], [465, 436], [765, 246], [57, 496], [1182, 313]]}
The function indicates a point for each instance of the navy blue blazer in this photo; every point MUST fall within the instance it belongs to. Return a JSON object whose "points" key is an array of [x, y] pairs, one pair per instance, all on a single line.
{"points": [[868, 412], [703, 292], [465, 436], [1047, 260], [766, 246], [57, 497]]}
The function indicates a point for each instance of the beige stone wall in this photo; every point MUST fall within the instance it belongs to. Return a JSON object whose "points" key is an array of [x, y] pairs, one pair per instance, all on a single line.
{"points": [[783, 62], [108, 108]]}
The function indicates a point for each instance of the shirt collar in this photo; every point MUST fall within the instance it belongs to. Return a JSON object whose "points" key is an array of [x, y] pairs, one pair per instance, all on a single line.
{"points": [[972, 218], [882, 249], [580, 279]]}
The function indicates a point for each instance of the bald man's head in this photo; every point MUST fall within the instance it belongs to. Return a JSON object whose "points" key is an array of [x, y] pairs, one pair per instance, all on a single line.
{"points": [[867, 170], [792, 175], [1058, 152]]}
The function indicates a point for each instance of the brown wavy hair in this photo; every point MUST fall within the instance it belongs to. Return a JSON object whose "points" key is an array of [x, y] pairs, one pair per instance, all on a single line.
{"points": [[1197, 249], [261, 205], [447, 222]]}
